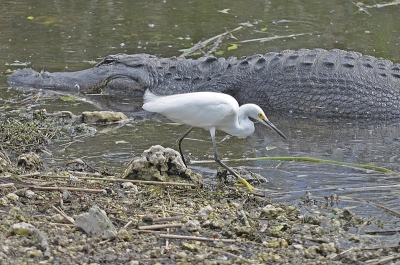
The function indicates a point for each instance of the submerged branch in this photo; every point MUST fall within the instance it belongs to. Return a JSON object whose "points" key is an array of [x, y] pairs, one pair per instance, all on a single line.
{"points": [[203, 44], [272, 38]]}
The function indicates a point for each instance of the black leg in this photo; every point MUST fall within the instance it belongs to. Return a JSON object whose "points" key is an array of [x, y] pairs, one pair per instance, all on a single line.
{"points": [[179, 142]]}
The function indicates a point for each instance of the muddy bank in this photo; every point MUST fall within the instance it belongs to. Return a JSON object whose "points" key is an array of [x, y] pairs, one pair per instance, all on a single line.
{"points": [[153, 222]]}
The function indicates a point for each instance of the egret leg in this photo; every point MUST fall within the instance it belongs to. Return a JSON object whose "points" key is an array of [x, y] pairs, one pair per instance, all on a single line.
{"points": [[218, 160], [179, 143]]}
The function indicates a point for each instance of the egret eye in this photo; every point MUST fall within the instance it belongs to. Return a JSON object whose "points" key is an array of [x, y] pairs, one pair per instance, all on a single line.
{"points": [[261, 116]]}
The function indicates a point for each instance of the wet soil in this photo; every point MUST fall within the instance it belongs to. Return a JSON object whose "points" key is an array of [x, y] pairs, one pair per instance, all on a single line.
{"points": [[165, 222]]}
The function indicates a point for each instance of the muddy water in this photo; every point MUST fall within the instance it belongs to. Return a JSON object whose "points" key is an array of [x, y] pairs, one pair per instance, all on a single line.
{"points": [[72, 35]]}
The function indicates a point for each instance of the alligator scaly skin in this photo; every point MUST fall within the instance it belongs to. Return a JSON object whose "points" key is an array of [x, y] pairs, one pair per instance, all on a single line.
{"points": [[324, 82]]}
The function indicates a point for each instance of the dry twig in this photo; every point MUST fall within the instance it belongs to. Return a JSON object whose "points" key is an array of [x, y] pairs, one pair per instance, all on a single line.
{"points": [[155, 227], [69, 219], [65, 188], [197, 238]]}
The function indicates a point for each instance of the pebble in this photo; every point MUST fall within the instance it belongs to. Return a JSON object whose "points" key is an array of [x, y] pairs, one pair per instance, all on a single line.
{"points": [[205, 212], [191, 226], [271, 211], [12, 197], [58, 218], [96, 223]]}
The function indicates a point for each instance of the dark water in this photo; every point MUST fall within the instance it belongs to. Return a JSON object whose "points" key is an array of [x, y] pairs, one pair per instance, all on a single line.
{"points": [[73, 35]]}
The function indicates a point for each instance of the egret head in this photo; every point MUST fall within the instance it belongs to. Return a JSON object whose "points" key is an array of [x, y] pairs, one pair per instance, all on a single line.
{"points": [[264, 120]]}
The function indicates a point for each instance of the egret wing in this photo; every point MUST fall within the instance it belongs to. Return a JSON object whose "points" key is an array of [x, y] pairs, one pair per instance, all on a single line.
{"points": [[200, 109]]}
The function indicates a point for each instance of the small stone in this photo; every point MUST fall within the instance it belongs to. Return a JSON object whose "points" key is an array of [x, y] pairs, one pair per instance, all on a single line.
{"points": [[273, 244], [30, 161], [22, 229], [58, 218], [4, 201], [102, 116], [127, 185], [29, 194], [181, 255], [191, 226], [124, 234], [326, 248], [189, 246], [271, 211], [96, 223], [205, 212], [35, 253], [276, 258], [12, 197], [347, 214], [243, 230], [5, 248]]}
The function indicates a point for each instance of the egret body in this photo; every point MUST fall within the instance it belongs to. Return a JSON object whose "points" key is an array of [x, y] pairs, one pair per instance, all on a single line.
{"points": [[211, 111]]}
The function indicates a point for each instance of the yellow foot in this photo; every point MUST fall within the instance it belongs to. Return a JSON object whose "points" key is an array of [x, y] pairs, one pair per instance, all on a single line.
{"points": [[244, 183]]}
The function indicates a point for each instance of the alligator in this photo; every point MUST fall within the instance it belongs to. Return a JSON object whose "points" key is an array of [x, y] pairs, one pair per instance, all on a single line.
{"points": [[323, 82]]}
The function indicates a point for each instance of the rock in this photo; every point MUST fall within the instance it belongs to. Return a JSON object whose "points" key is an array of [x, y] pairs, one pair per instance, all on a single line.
{"points": [[30, 161], [124, 234], [278, 243], [25, 229], [29, 194], [348, 215], [12, 197], [81, 129], [225, 177], [190, 246], [243, 230], [96, 223], [4, 162], [327, 248], [58, 218], [205, 212], [5, 248], [22, 229], [270, 211], [4, 201], [161, 164], [180, 255], [102, 116], [191, 226], [129, 185], [34, 253]]}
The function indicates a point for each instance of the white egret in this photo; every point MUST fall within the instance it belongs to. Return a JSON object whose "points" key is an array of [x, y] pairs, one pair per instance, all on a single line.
{"points": [[211, 111]]}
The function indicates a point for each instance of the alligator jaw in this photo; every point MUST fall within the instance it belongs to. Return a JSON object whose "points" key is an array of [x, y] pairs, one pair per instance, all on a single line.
{"points": [[105, 79]]}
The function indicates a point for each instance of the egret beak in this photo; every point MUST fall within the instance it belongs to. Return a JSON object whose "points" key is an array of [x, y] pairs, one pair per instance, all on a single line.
{"points": [[267, 122]]}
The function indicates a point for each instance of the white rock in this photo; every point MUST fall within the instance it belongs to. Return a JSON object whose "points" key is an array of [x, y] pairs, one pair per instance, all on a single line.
{"points": [[129, 185], [191, 226], [205, 212], [29, 194], [96, 223], [12, 197]]}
